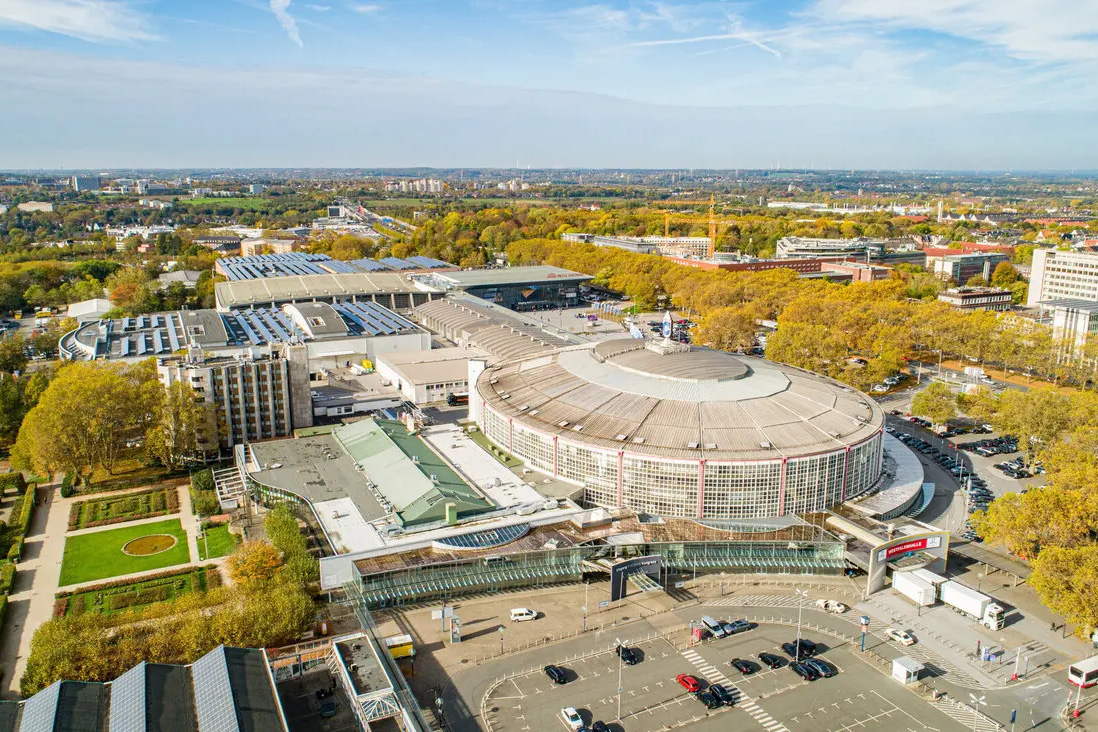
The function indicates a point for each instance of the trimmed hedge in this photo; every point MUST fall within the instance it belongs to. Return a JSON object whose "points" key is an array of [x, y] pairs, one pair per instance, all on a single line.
{"points": [[12, 481], [3, 608], [124, 600], [15, 552], [126, 582], [7, 577], [158, 501], [67, 488], [20, 521]]}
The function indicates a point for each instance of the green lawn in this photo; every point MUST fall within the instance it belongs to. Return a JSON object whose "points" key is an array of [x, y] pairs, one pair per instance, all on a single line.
{"points": [[503, 456], [99, 554], [117, 508], [220, 541], [243, 202]]}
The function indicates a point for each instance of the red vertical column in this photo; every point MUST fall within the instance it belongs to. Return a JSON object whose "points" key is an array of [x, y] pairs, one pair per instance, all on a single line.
{"points": [[701, 488], [621, 478], [781, 490]]}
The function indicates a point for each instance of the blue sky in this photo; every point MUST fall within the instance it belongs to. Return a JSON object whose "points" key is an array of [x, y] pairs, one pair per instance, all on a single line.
{"points": [[960, 84]]}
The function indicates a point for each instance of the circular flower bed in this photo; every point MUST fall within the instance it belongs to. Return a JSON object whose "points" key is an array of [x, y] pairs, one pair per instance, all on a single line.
{"points": [[143, 546]]}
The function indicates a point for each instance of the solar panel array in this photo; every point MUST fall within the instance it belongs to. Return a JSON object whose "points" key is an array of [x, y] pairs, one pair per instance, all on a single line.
{"points": [[146, 335], [369, 318], [213, 696], [259, 326], [128, 701], [290, 264], [40, 711], [486, 539]]}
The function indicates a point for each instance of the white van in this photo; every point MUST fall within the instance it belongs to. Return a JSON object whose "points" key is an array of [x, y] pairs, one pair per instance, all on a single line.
{"points": [[518, 614], [717, 629]]}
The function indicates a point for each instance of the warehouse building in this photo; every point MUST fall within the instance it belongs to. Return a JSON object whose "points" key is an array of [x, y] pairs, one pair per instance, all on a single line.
{"points": [[539, 287], [389, 289], [424, 377]]}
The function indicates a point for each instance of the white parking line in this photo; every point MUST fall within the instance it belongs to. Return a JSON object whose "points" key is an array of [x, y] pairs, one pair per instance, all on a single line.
{"points": [[742, 700]]}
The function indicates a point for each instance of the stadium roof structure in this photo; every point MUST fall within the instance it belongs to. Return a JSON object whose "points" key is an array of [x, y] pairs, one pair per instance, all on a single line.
{"points": [[501, 276], [676, 401], [162, 334], [242, 293], [500, 332]]}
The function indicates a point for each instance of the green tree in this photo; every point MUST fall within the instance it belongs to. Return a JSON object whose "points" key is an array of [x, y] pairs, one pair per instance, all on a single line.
{"points": [[1004, 275], [936, 402], [1026, 524], [13, 356], [253, 561], [184, 423]]}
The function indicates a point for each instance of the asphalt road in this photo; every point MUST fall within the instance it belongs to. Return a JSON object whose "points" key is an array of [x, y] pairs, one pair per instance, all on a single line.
{"points": [[859, 697]]}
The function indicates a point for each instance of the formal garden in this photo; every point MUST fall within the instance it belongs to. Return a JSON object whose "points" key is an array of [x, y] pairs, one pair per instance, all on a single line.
{"points": [[123, 595], [117, 508], [102, 554]]}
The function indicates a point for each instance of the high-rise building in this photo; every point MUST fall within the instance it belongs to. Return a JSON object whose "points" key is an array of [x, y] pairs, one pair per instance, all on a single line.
{"points": [[256, 395], [1057, 275], [85, 182]]}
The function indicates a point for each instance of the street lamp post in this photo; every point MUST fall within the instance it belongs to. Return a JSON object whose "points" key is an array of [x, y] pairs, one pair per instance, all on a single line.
{"points": [[501, 629], [585, 586], [618, 641], [801, 596], [976, 702]]}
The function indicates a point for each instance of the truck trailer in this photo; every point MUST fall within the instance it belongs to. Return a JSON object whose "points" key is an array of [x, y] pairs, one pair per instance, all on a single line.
{"points": [[976, 605], [917, 590]]}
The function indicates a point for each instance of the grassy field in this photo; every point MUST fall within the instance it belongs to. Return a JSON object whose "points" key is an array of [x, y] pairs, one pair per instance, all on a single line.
{"points": [[219, 540], [118, 508], [137, 595], [99, 555]]}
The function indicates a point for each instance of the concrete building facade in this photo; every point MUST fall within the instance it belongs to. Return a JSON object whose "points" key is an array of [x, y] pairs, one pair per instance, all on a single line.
{"points": [[1057, 275]]}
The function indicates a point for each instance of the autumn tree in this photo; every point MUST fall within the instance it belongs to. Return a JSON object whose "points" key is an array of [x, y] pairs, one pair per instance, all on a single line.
{"points": [[730, 328], [1028, 523], [1066, 580], [253, 561], [183, 425], [936, 402]]}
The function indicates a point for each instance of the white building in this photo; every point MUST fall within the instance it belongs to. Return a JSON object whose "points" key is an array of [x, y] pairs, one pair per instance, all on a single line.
{"points": [[424, 377], [87, 311], [1057, 275]]}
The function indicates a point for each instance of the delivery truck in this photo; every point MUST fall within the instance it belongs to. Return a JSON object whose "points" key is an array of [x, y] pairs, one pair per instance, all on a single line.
{"points": [[976, 605], [917, 590]]}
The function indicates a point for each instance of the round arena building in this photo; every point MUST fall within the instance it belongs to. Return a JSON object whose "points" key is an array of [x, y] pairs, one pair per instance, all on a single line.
{"points": [[670, 430]]}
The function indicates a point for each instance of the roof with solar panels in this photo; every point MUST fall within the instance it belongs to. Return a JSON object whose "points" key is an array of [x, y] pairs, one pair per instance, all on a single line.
{"points": [[162, 334]]}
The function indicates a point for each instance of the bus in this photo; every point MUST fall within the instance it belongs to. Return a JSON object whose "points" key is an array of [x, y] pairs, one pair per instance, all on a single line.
{"points": [[1084, 673]]}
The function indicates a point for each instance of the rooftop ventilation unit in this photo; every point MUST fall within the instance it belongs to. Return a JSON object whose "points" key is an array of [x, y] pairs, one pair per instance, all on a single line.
{"points": [[638, 440], [692, 445], [524, 407], [562, 423], [710, 446], [415, 459], [577, 428], [765, 445], [534, 411], [621, 438]]}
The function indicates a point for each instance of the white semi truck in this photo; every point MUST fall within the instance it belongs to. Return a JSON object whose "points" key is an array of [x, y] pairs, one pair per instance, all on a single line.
{"points": [[917, 590], [921, 584]]}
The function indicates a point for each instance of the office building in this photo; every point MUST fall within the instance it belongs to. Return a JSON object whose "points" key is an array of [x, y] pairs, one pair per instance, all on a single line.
{"points": [[424, 377], [960, 268], [1075, 321], [813, 248], [977, 298], [539, 287], [85, 182], [1057, 275]]}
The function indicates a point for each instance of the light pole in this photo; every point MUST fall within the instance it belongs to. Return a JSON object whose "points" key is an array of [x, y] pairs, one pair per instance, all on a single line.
{"points": [[501, 629], [618, 641], [585, 586], [976, 702], [801, 596]]}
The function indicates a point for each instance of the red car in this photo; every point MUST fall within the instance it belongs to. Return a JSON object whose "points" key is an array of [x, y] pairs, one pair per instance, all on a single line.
{"points": [[689, 683]]}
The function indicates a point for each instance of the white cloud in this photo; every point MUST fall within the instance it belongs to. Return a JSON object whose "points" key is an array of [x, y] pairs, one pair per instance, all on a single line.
{"points": [[1045, 31], [367, 8], [319, 8], [97, 21], [280, 8]]}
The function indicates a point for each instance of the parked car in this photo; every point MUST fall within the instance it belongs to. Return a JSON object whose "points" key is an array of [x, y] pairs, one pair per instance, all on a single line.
{"points": [[771, 660], [743, 666], [572, 718], [900, 636], [803, 670], [628, 656], [689, 683], [831, 606], [822, 667], [737, 626], [706, 698], [599, 726], [556, 673], [807, 649], [723, 695], [327, 708], [519, 614]]}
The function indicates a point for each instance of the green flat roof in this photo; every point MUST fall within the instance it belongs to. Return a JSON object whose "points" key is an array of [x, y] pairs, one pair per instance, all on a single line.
{"points": [[401, 465]]}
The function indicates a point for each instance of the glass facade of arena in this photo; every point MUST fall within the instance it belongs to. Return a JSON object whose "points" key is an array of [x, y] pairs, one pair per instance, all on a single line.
{"points": [[554, 566], [667, 487]]}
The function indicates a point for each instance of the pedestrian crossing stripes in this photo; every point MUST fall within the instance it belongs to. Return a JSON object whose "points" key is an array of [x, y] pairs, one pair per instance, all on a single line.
{"points": [[714, 676], [966, 715], [759, 601]]}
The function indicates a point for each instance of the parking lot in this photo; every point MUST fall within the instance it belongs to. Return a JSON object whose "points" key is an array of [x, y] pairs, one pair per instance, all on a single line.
{"points": [[859, 697]]}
